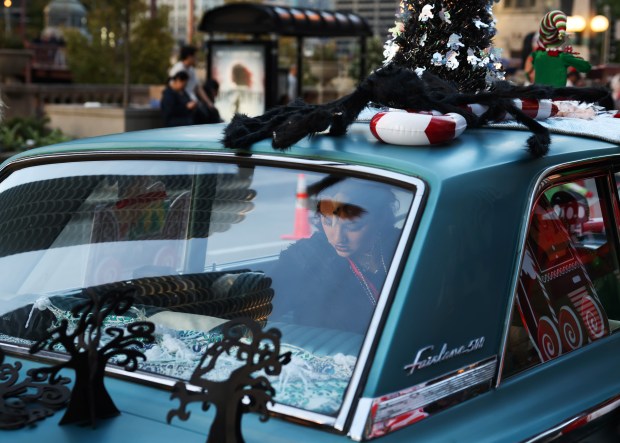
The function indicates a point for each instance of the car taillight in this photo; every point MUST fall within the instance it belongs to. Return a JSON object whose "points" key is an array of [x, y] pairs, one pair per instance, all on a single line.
{"points": [[394, 411]]}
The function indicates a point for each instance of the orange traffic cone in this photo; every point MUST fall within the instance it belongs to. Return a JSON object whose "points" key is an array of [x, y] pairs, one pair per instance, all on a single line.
{"points": [[301, 228]]}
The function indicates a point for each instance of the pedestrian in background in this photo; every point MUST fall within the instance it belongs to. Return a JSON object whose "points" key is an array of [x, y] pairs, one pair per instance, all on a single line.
{"points": [[291, 81], [211, 88], [531, 43], [615, 90], [177, 107], [187, 63], [574, 78]]}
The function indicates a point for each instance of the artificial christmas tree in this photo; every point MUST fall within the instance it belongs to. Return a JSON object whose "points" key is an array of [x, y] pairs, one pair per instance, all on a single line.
{"points": [[450, 38]]}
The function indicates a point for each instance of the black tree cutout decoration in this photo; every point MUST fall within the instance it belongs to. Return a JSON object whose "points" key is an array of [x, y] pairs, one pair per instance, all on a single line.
{"points": [[24, 402], [240, 393], [89, 353]]}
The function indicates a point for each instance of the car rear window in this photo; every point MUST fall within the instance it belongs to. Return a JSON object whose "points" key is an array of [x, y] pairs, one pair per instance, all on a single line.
{"points": [[201, 243]]}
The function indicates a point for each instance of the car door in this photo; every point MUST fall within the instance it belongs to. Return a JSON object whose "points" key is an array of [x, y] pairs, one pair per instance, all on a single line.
{"points": [[566, 310]]}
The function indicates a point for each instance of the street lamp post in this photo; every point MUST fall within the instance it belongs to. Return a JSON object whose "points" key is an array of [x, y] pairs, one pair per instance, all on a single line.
{"points": [[597, 24], [600, 23], [190, 21], [127, 55], [22, 20], [7, 17]]}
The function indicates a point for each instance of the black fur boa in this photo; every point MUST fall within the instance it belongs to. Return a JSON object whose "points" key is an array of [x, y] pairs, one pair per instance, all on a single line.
{"points": [[400, 88]]}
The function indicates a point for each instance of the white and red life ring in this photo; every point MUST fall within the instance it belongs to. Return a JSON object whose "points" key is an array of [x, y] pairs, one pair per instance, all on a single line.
{"points": [[536, 109], [400, 127]]}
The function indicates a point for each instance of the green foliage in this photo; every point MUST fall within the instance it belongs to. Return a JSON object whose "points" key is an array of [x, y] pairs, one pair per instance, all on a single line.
{"points": [[35, 17], [325, 51], [614, 7], [99, 57], [287, 52], [611, 9], [90, 61], [152, 45], [11, 42], [19, 134], [374, 57]]}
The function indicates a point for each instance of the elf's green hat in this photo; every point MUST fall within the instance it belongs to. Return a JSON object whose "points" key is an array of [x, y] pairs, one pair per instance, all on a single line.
{"points": [[553, 29]]}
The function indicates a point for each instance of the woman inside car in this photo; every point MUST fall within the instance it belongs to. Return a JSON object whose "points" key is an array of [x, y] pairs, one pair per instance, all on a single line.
{"points": [[334, 278]]}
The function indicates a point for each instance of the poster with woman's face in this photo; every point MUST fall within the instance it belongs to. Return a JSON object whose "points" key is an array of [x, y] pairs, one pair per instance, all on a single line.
{"points": [[240, 71]]}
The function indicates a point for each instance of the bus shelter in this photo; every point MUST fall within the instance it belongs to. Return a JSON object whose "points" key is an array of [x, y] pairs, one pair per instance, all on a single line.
{"points": [[247, 68]]}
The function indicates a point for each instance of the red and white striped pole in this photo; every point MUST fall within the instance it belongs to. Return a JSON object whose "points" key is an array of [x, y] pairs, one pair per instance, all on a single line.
{"points": [[301, 228]]}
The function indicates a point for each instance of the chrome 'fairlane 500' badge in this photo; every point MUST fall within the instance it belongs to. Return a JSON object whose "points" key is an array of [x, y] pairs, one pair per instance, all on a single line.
{"points": [[425, 357]]}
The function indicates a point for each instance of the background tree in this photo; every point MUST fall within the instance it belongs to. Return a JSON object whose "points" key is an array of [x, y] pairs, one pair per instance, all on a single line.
{"points": [[374, 57], [35, 21], [611, 9], [100, 56], [152, 45], [450, 38]]}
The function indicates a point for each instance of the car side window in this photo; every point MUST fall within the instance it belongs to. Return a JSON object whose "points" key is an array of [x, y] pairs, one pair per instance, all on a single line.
{"points": [[568, 293]]}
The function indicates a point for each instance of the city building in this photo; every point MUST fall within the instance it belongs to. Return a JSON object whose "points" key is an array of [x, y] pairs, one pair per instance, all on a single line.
{"points": [[62, 14], [312, 4], [380, 14], [180, 19]]}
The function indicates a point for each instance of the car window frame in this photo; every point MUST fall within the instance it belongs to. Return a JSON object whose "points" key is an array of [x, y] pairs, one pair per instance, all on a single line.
{"points": [[417, 185]]}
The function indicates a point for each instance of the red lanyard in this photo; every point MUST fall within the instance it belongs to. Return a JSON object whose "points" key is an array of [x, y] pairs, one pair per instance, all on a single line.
{"points": [[367, 283]]}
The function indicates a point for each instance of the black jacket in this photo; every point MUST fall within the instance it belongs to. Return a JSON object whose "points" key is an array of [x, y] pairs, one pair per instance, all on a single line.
{"points": [[315, 286], [174, 108]]}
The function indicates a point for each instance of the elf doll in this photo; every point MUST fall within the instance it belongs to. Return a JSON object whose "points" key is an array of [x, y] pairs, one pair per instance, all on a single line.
{"points": [[552, 60]]}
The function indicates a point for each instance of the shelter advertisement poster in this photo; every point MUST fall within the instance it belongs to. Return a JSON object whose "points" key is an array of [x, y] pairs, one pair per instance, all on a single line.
{"points": [[240, 71]]}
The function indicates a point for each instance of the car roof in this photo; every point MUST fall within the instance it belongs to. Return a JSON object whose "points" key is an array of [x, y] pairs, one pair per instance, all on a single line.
{"points": [[475, 149]]}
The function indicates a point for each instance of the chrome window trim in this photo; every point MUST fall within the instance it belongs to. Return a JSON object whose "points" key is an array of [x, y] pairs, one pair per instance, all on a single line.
{"points": [[573, 423], [371, 335], [339, 422], [360, 419], [588, 166]]}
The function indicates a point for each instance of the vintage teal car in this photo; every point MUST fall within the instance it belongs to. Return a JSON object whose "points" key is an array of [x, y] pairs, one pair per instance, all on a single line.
{"points": [[464, 292]]}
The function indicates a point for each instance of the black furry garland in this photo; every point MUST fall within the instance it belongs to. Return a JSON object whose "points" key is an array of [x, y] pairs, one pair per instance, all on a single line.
{"points": [[401, 88]]}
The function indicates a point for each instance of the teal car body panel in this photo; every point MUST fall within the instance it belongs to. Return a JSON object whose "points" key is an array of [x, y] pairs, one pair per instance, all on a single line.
{"points": [[455, 284], [144, 409]]}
